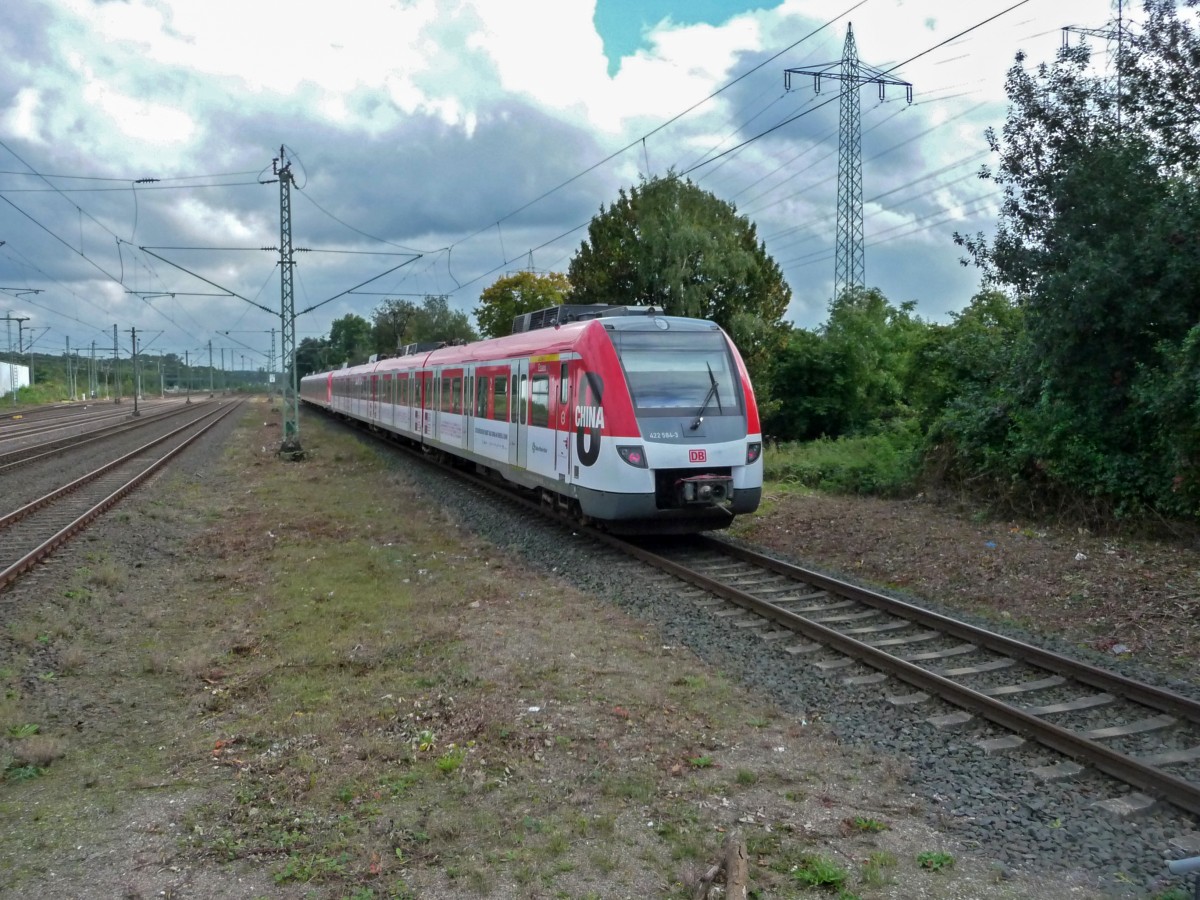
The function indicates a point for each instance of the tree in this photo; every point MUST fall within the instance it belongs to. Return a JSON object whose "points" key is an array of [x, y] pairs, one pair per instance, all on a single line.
{"points": [[804, 376], [1097, 238], [312, 355], [400, 322], [391, 322], [870, 343], [512, 295], [969, 356], [668, 244], [350, 340]]}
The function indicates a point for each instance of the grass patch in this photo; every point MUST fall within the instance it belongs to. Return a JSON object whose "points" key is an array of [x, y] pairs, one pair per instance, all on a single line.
{"points": [[819, 871]]}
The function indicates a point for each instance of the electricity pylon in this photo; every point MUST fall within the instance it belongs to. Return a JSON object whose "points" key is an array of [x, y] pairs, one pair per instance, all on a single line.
{"points": [[1117, 30], [290, 447], [850, 268]]}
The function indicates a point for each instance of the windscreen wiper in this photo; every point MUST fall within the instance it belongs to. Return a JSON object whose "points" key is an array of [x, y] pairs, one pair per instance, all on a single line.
{"points": [[712, 392]]}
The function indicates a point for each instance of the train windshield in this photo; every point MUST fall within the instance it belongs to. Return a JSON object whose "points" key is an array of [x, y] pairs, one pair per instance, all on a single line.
{"points": [[679, 372]]}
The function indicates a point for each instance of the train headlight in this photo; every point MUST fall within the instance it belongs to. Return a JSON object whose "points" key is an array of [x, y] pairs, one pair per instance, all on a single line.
{"points": [[633, 455], [753, 451]]}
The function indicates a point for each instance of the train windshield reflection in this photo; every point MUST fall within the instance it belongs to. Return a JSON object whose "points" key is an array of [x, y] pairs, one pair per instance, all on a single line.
{"points": [[672, 373]]}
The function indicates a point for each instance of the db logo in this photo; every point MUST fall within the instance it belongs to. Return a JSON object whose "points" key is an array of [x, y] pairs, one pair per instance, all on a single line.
{"points": [[697, 456]]}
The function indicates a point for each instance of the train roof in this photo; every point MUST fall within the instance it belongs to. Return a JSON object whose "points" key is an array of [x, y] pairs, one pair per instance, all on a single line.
{"points": [[560, 338]]}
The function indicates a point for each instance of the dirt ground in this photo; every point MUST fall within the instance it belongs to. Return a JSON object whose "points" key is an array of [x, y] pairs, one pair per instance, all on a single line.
{"points": [[188, 747]]}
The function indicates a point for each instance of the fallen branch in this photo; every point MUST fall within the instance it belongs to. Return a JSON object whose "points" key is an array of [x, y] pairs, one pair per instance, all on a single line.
{"points": [[735, 863]]}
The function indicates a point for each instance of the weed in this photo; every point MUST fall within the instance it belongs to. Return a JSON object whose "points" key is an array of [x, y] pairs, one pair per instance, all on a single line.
{"points": [[935, 860], [108, 575], [818, 871], [872, 826], [558, 844], [425, 740], [701, 762], [23, 773], [746, 777], [401, 783], [449, 762], [634, 787], [310, 868], [73, 659], [875, 869], [603, 861], [23, 731]]}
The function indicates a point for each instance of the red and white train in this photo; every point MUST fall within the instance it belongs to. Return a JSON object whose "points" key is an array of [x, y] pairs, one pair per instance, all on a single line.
{"points": [[620, 415]]}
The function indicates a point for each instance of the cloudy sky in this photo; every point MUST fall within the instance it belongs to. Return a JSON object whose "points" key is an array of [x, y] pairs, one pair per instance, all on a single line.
{"points": [[437, 145]]}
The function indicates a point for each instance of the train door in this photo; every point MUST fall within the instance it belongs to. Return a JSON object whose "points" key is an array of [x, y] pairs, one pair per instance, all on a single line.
{"points": [[468, 409], [373, 402], [563, 424], [518, 452], [426, 407]]}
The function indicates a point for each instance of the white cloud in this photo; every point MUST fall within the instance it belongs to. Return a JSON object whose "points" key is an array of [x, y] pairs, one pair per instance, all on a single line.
{"points": [[437, 122], [22, 119]]}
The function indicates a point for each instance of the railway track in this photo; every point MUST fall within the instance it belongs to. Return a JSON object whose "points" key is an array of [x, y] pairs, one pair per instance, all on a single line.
{"points": [[1072, 719], [35, 530], [1142, 735], [32, 452], [18, 431]]}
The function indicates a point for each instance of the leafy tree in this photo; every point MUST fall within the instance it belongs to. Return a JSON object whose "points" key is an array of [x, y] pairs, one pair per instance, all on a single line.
{"points": [[312, 355], [400, 322], [972, 353], [350, 340], [512, 295], [1098, 240], [391, 322], [667, 243], [870, 342], [803, 375]]}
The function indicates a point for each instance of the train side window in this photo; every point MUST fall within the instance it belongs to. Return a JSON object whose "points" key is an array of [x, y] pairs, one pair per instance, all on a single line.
{"points": [[456, 395], [444, 397], [539, 409], [481, 397], [500, 403], [468, 393], [523, 398], [563, 386]]}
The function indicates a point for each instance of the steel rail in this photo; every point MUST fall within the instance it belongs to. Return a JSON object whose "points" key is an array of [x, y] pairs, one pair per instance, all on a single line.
{"points": [[1174, 790], [34, 505], [30, 559], [1177, 791], [1148, 695], [15, 458]]}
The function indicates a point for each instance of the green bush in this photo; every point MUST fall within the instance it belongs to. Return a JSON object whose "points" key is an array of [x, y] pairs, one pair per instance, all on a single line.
{"points": [[885, 463]]}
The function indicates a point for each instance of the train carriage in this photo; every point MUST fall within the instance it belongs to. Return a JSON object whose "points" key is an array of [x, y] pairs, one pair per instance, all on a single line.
{"points": [[624, 416]]}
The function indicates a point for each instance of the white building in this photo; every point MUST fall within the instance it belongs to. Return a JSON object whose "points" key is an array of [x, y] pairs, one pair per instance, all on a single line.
{"points": [[13, 377]]}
